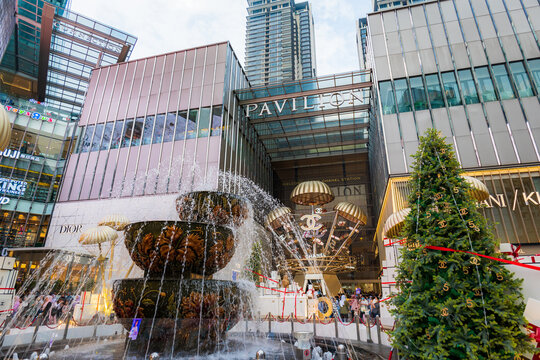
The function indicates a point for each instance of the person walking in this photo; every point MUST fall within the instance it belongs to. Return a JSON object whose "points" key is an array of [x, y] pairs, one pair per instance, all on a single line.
{"points": [[355, 306], [344, 308]]}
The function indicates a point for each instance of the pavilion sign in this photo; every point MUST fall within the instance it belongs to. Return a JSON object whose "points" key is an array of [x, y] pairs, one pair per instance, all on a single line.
{"points": [[306, 103]]}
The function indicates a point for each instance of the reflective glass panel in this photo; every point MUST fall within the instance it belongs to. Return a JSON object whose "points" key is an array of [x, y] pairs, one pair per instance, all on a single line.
{"points": [[418, 93], [97, 137], [434, 91], [216, 121], [181, 126], [521, 79], [147, 132], [486, 85], [106, 136], [204, 121], [169, 127], [387, 97], [137, 132], [117, 134], [402, 95], [467, 86], [534, 65], [503, 82], [128, 130], [158, 129], [451, 89], [87, 139], [192, 124]]}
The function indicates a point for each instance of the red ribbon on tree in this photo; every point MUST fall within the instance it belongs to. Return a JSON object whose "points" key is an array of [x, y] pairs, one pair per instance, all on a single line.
{"points": [[440, 248]]}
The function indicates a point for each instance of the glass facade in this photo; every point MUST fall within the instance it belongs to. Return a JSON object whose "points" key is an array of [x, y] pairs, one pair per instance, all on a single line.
{"points": [[499, 86], [31, 169], [279, 41], [7, 23], [165, 123], [77, 45]]}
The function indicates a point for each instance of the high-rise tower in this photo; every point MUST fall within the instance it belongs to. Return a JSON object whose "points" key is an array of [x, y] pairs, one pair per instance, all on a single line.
{"points": [[279, 41]]}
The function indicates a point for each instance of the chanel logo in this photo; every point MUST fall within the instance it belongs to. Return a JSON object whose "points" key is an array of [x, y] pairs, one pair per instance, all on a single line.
{"points": [[311, 222]]}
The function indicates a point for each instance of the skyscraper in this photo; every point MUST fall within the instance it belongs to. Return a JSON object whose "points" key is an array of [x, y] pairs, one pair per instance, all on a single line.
{"points": [[387, 4], [280, 43]]}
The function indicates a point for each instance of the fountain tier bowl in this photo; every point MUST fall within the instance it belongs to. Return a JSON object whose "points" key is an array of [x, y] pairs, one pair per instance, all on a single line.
{"points": [[179, 247], [180, 315], [212, 207]]}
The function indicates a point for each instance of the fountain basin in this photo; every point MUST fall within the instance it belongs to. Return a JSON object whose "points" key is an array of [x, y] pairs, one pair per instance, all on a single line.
{"points": [[195, 313], [176, 247], [212, 207]]}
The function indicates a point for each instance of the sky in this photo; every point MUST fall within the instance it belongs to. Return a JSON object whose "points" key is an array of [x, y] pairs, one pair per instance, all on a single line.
{"points": [[163, 26]]}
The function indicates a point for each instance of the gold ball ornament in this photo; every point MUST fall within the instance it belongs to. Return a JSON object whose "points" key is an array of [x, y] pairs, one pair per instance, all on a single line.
{"points": [[5, 129]]}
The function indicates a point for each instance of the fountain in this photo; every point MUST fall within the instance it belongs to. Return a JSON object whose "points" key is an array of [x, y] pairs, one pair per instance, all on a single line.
{"points": [[177, 307]]}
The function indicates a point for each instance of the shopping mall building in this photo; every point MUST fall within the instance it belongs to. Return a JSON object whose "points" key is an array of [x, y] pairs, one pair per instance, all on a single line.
{"points": [[154, 127]]}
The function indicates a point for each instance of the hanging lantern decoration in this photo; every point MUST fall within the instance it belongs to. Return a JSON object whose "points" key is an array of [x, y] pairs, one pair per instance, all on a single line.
{"points": [[275, 218], [312, 193], [394, 223], [98, 235], [5, 129], [115, 221], [351, 212], [479, 190]]}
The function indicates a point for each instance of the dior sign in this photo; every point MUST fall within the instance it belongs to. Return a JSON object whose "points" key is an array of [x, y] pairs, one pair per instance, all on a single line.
{"points": [[70, 229], [306, 103]]}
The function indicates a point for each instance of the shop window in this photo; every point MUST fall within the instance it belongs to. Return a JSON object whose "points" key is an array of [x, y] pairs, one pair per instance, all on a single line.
{"points": [[467, 86], [485, 84], [521, 79], [136, 135], [181, 121], [534, 65], [117, 134], [418, 93], [128, 130], [87, 138], [434, 91], [503, 82], [451, 89], [169, 127], [216, 121], [158, 129], [204, 122], [402, 95], [387, 97], [147, 131], [192, 124], [97, 137], [107, 133]]}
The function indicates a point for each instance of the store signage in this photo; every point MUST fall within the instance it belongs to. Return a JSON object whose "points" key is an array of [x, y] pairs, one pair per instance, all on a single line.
{"points": [[12, 187], [33, 115], [16, 154], [328, 100], [4, 200], [70, 229], [91, 38], [527, 198], [311, 222]]}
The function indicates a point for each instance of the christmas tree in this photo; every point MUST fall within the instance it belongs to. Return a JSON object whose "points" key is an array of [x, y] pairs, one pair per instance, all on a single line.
{"points": [[452, 305]]}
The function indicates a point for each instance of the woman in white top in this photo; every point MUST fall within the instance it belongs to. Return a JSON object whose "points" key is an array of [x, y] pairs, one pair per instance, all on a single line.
{"points": [[363, 307]]}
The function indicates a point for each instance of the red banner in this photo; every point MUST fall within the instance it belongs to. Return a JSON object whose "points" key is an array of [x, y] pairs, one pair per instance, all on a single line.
{"points": [[440, 248]]}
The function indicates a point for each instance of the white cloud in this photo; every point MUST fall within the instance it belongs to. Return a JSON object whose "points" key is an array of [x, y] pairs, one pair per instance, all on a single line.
{"points": [[168, 25]]}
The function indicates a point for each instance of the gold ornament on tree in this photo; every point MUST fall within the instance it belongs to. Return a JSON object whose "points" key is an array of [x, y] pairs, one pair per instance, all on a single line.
{"points": [[446, 287], [442, 264], [444, 311], [470, 303]]}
